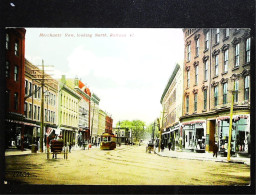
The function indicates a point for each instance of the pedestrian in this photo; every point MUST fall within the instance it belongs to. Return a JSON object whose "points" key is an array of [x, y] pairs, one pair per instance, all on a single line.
{"points": [[215, 150], [169, 145], [162, 147], [70, 146]]}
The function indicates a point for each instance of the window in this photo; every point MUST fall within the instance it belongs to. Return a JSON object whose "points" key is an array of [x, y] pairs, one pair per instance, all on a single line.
{"points": [[16, 48], [216, 65], [7, 41], [188, 78], [35, 93], [30, 88], [215, 95], [26, 87], [188, 53], [225, 93], [25, 109], [207, 40], [226, 32], [217, 36], [7, 69], [45, 114], [236, 91], [7, 93], [30, 111], [246, 87], [16, 101], [196, 75], [226, 61], [16, 71], [237, 55], [197, 47], [35, 111], [39, 92], [195, 102], [187, 104], [205, 99], [38, 113], [206, 70], [248, 50]]}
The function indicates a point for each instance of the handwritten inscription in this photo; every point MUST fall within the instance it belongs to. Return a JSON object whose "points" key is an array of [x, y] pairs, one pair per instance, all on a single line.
{"points": [[86, 35]]}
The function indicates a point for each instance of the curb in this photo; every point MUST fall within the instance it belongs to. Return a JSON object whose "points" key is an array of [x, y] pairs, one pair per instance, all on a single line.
{"points": [[204, 159]]}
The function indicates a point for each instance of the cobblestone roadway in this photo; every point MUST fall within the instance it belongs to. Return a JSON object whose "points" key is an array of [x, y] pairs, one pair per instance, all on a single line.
{"points": [[126, 165]]}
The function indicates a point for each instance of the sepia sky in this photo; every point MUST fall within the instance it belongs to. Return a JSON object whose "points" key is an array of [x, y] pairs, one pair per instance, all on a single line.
{"points": [[127, 69]]}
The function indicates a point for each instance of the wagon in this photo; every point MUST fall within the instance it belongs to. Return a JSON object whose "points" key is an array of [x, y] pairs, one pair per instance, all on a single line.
{"points": [[56, 148]]}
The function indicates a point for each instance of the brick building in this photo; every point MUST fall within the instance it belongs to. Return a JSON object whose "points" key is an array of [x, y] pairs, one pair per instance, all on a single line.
{"points": [[14, 93], [94, 117], [215, 60], [33, 104], [109, 124]]}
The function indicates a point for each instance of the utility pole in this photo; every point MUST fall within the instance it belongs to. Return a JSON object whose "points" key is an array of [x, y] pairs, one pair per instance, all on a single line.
{"points": [[230, 122], [153, 133], [160, 134], [42, 79]]}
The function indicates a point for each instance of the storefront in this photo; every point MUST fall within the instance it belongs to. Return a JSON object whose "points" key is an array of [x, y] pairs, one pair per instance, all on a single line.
{"points": [[174, 137], [194, 135], [240, 140]]}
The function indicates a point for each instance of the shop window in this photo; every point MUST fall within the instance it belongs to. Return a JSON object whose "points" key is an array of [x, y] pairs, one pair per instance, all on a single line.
{"points": [[7, 69], [246, 87], [248, 50], [237, 52], [226, 61]]}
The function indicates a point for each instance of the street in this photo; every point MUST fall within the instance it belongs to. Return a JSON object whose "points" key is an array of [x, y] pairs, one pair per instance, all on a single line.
{"points": [[126, 165]]}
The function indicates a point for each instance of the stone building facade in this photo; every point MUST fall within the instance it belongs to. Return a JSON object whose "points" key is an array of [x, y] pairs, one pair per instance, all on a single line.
{"points": [[172, 107], [217, 62]]}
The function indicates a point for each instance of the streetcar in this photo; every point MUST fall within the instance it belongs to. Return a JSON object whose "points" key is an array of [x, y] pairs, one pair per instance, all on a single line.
{"points": [[108, 141]]}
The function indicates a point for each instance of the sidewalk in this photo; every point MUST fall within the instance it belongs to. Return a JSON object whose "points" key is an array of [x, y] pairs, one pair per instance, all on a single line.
{"points": [[15, 152], [201, 156]]}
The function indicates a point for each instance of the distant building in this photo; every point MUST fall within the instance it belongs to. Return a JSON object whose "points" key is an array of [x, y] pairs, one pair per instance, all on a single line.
{"points": [[122, 134], [102, 124], [68, 111], [172, 107], [94, 117], [216, 60], [15, 89]]}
